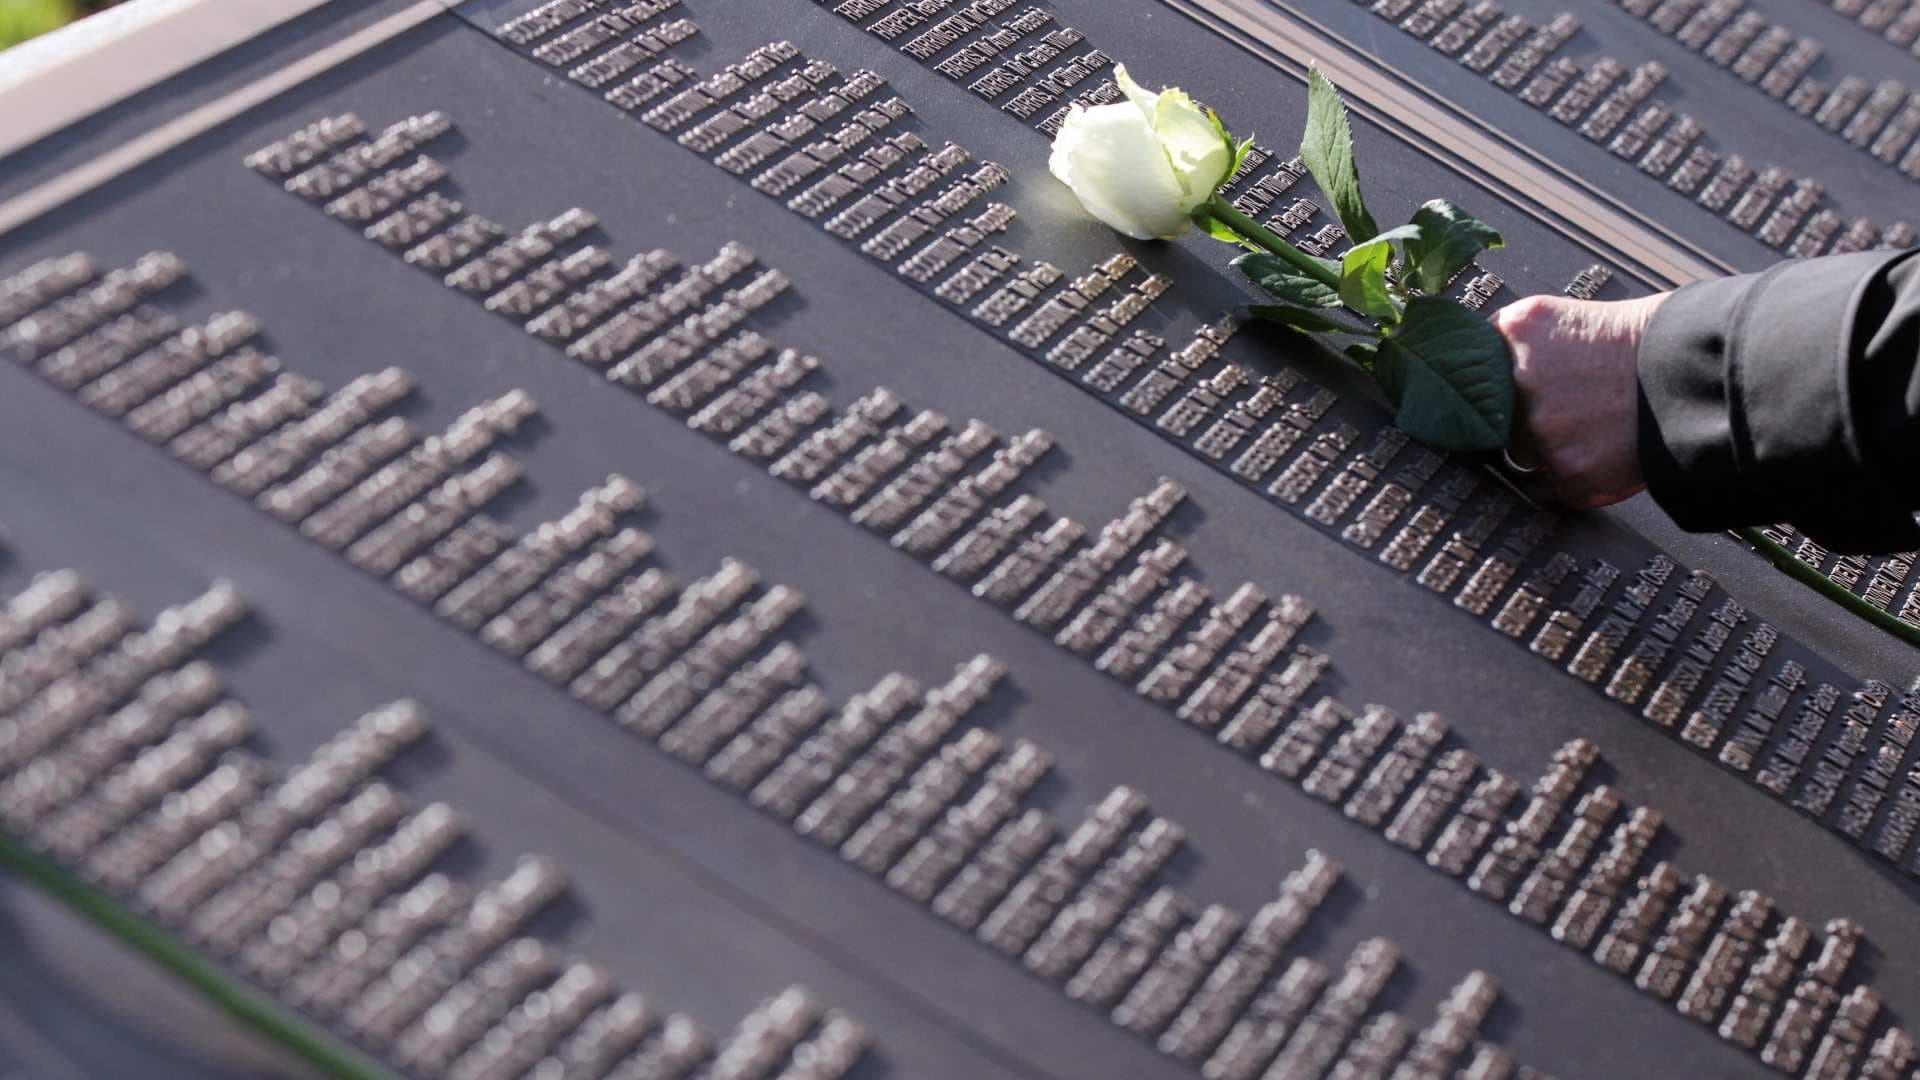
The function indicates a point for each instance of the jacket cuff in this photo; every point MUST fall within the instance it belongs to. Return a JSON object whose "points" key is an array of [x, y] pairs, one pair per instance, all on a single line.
{"points": [[1745, 416]]}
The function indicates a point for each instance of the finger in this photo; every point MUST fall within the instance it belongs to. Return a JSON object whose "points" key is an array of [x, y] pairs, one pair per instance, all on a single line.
{"points": [[1578, 491], [1613, 495]]}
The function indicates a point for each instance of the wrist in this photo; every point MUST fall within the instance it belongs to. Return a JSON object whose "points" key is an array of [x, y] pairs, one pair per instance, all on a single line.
{"points": [[1636, 318]]}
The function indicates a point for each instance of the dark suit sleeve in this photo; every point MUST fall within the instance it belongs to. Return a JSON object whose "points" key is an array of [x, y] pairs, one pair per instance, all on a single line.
{"points": [[1790, 395]]}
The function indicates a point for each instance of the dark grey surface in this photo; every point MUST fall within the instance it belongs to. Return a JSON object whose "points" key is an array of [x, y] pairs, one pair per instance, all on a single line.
{"points": [[74, 1004], [1739, 118], [683, 892]]}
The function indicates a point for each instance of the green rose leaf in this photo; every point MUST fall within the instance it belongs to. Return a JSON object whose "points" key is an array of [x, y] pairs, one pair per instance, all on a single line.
{"points": [[1220, 230], [1285, 282], [1327, 151], [1450, 238], [1311, 322], [1409, 231], [1449, 374], [1363, 274], [1204, 219], [1363, 282]]}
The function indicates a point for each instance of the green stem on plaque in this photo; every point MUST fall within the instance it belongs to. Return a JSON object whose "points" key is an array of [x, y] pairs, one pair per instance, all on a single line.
{"points": [[1229, 215], [1810, 576], [316, 1048]]}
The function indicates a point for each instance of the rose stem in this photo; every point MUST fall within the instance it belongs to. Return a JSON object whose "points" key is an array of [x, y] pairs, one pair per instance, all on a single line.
{"points": [[1229, 215], [1783, 559]]}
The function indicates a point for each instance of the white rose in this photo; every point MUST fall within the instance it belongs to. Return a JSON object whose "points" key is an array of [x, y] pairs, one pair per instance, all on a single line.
{"points": [[1142, 165]]}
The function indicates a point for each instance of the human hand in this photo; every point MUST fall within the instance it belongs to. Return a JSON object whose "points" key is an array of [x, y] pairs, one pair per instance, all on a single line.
{"points": [[1575, 377]]}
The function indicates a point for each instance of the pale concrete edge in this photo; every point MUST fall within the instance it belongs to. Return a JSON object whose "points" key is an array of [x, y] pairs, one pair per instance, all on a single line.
{"points": [[214, 31], [1575, 209], [102, 60], [81, 179]]}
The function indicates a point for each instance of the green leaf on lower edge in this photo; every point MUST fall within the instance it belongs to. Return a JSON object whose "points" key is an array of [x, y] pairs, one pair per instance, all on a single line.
{"points": [[1363, 281], [1449, 374], [1449, 239], [1204, 220], [1220, 231], [1311, 322], [1280, 278], [1327, 151]]}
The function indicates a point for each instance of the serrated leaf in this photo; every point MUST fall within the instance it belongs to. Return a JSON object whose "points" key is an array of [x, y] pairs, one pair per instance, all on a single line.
{"points": [[1285, 282], [1368, 290], [1311, 322], [1450, 376], [1450, 238], [1331, 266], [1327, 151], [1409, 231], [1363, 281], [1364, 273]]}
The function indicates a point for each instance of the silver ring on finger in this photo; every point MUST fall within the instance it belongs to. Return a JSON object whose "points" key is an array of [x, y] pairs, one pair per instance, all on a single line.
{"points": [[1513, 466]]}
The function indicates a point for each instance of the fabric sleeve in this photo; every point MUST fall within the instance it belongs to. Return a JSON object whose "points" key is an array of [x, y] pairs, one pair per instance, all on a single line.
{"points": [[1790, 395]]}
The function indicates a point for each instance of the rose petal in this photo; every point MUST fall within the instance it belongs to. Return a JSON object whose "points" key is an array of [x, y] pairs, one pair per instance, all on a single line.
{"points": [[1144, 99], [1200, 157], [1060, 161], [1119, 168]]}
